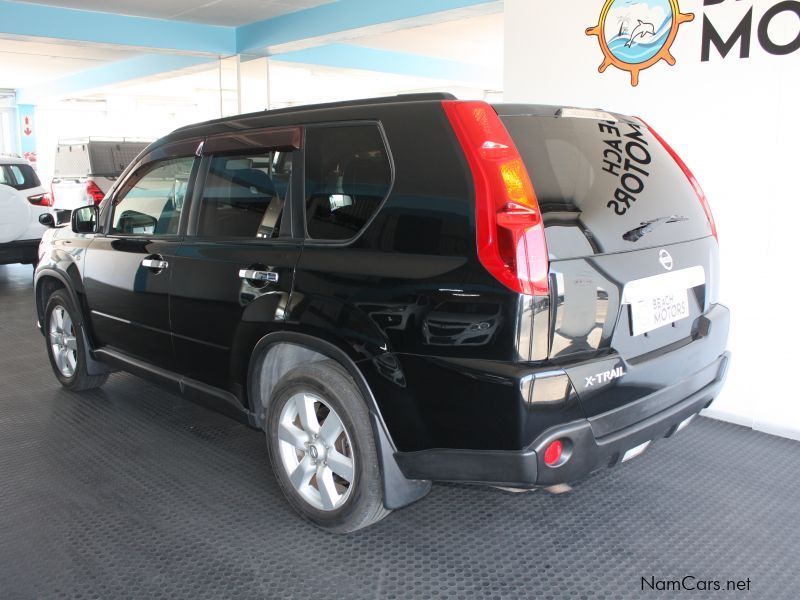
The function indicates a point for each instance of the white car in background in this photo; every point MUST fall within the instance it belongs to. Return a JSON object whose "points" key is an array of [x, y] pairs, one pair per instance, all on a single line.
{"points": [[22, 201], [85, 170]]}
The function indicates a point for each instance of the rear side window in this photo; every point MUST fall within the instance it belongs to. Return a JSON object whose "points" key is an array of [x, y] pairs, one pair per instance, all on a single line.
{"points": [[347, 176], [19, 177], [244, 195]]}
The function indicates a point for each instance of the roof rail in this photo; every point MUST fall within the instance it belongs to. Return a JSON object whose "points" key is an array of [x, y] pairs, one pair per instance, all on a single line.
{"points": [[414, 97], [418, 97]]}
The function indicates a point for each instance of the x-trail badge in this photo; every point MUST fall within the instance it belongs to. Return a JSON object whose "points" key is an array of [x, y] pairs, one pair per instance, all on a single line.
{"points": [[665, 258]]}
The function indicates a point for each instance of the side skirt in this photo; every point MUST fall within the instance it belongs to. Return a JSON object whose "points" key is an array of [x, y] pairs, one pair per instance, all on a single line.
{"points": [[196, 391]]}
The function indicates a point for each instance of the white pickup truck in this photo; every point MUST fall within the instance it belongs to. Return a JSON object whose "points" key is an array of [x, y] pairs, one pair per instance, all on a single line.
{"points": [[85, 171]]}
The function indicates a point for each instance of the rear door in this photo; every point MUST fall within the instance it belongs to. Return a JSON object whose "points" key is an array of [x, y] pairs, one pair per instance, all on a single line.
{"points": [[129, 264], [233, 273], [633, 261]]}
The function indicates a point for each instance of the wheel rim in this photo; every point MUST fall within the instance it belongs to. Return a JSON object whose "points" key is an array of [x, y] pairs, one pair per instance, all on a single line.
{"points": [[316, 451], [63, 343]]}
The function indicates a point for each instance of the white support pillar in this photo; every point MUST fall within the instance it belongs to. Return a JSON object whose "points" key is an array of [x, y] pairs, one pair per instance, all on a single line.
{"points": [[230, 97]]}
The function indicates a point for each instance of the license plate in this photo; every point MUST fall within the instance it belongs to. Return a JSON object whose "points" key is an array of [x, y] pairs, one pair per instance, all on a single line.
{"points": [[657, 311], [661, 299]]}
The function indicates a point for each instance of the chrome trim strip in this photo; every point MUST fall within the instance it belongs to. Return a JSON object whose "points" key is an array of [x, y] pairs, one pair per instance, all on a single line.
{"points": [[100, 314]]}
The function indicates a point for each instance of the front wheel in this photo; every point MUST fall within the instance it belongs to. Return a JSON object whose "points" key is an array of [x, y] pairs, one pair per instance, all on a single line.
{"points": [[322, 449], [65, 346]]}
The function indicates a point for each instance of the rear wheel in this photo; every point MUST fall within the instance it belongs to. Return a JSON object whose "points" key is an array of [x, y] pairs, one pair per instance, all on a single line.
{"points": [[322, 449], [65, 346]]}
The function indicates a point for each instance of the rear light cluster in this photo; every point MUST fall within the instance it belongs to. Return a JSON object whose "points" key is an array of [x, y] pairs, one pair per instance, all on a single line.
{"points": [[510, 231], [692, 179], [94, 192], [41, 200]]}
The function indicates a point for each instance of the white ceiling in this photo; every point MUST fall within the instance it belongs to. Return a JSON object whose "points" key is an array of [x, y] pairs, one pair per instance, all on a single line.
{"points": [[212, 12], [24, 62]]}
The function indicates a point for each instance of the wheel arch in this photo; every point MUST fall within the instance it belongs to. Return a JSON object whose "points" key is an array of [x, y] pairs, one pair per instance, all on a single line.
{"points": [[293, 349], [46, 282]]}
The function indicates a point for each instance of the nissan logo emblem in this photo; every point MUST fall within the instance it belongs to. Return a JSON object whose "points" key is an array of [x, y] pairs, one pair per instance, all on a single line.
{"points": [[665, 258]]}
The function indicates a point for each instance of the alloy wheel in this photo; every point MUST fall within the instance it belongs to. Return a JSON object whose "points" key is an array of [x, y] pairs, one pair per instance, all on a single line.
{"points": [[63, 343], [316, 451]]}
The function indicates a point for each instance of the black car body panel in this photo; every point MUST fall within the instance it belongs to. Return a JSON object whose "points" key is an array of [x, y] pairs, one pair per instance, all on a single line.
{"points": [[466, 378]]}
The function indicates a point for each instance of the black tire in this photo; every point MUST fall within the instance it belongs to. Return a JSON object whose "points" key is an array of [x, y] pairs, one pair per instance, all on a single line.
{"points": [[80, 380], [327, 380]]}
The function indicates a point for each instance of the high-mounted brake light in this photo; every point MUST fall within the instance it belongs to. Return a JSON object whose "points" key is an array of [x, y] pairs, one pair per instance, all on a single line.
{"points": [[510, 231], [692, 179], [94, 192], [586, 113]]}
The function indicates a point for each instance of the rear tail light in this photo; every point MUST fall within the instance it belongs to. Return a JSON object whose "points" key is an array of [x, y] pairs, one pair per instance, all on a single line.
{"points": [[41, 200], [510, 232], [692, 179], [94, 192], [553, 453]]}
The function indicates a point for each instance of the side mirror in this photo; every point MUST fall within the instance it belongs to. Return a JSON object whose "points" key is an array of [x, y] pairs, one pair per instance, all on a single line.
{"points": [[85, 219], [47, 220]]}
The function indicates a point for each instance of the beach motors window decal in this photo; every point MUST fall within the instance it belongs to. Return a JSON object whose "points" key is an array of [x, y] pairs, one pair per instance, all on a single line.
{"points": [[634, 35]]}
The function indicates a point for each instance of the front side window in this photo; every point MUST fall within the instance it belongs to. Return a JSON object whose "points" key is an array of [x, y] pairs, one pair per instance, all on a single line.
{"points": [[347, 177], [244, 195], [152, 200]]}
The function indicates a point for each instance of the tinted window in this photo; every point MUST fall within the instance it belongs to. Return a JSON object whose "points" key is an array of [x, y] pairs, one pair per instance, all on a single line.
{"points": [[347, 177], [244, 195], [598, 183], [152, 200], [19, 177]]}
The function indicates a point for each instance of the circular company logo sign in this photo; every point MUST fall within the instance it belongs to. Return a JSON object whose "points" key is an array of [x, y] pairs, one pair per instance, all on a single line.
{"points": [[636, 34], [665, 258]]}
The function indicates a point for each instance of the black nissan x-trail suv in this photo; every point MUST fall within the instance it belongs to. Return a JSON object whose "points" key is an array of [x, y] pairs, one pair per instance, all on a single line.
{"points": [[403, 290]]}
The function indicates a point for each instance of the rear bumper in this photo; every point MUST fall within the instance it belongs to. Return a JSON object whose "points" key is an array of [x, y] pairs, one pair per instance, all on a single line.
{"points": [[591, 443], [22, 251]]}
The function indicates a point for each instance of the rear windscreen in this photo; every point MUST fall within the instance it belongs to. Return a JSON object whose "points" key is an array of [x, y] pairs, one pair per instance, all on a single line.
{"points": [[605, 186], [19, 177]]}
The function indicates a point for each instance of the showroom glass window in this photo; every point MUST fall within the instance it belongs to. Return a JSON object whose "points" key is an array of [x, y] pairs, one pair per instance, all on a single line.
{"points": [[152, 201], [244, 195], [347, 176]]}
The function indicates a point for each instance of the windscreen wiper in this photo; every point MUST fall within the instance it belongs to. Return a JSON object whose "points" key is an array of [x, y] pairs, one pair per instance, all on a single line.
{"points": [[635, 234]]}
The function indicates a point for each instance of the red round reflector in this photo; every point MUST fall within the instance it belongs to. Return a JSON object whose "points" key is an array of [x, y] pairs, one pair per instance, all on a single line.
{"points": [[553, 453]]}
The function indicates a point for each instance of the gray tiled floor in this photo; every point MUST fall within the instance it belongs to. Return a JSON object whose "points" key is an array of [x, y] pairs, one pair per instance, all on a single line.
{"points": [[132, 492]]}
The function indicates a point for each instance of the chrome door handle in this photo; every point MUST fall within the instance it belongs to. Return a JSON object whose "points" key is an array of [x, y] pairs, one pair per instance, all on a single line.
{"points": [[253, 275], [154, 263]]}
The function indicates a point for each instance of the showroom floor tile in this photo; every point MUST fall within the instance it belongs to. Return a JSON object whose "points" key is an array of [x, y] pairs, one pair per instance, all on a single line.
{"points": [[131, 492]]}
